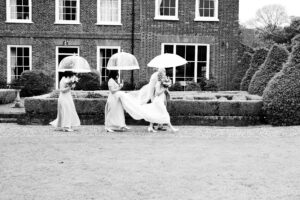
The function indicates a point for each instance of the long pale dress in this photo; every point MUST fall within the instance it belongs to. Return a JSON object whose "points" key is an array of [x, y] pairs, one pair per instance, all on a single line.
{"points": [[66, 111], [155, 112], [114, 112]]}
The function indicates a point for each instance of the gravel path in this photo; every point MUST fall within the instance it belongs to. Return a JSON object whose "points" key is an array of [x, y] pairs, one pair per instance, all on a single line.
{"points": [[214, 163]]}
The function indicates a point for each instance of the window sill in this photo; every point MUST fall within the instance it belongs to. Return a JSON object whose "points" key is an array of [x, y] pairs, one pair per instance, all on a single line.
{"points": [[207, 19], [19, 22], [167, 18], [67, 22], [108, 24]]}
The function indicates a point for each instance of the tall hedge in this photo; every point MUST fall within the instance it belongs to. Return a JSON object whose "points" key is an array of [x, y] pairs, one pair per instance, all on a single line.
{"points": [[240, 70], [88, 81], [281, 98], [258, 59], [277, 56]]}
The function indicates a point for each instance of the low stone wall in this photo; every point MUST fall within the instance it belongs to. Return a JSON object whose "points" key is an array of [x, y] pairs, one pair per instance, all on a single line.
{"points": [[7, 96], [217, 111]]}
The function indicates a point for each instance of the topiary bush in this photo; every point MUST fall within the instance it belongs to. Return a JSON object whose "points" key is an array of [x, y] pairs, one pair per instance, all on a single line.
{"points": [[277, 56], [281, 99], [127, 86], [34, 83], [3, 85], [176, 87], [104, 85], [257, 60], [88, 81], [240, 70], [192, 86], [211, 85]]}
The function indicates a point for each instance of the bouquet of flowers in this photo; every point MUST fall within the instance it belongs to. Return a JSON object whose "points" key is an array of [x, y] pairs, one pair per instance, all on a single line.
{"points": [[166, 82], [73, 81]]}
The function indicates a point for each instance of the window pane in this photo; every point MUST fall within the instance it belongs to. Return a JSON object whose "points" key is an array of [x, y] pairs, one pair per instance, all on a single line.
{"points": [[68, 50], [109, 10], [172, 11], [206, 12], [212, 13], [168, 49], [173, 3], [206, 4], [180, 50], [190, 53], [190, 70], [201, 68], [202, 53]]}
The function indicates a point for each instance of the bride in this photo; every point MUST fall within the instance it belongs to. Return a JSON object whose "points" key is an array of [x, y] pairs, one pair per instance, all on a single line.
{"points": [[155, 112]]}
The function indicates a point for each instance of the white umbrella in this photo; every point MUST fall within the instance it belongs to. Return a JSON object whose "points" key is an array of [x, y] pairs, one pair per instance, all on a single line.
{"points": [[167, 60], [74, 63], [122, 61]]}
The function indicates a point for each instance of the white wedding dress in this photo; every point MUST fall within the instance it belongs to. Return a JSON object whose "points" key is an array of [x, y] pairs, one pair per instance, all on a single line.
{"points": [[155, 112]]}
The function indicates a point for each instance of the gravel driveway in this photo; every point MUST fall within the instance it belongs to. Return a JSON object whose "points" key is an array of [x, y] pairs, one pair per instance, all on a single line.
{"points": [[197, 163]]}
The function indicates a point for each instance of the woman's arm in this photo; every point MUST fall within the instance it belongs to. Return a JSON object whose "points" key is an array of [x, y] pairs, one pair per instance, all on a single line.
{"points": [[113, 88]]}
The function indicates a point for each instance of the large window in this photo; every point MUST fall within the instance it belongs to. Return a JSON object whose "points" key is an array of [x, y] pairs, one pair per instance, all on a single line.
{"points": [[109, 12], [197, 67], [103, 55], [67, 11], [166, 9], [18, 61], [18, 11], [206, 10]]}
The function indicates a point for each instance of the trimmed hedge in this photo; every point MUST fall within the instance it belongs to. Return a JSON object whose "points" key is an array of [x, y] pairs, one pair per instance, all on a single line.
{"points": [[277, 56], [88, 81], [34, 82], [281, 98], [240, 70], [7, 96], [258, 59]]}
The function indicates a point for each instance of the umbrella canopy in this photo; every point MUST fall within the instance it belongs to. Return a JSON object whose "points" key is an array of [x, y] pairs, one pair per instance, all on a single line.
{"points": [[122, 61], [167, 60], [74, 63]]}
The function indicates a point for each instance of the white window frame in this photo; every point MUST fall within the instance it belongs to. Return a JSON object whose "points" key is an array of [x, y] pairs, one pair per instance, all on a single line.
{"points": [[8, 14], [196, 61], [98, 58], [58, 21], [9, 60], [159, 17], [56, 60], [214, 18], [99, 22]]}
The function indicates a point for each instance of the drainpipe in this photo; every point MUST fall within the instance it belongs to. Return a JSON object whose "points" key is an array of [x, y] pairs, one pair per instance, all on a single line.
{"points": [[132, 35]]}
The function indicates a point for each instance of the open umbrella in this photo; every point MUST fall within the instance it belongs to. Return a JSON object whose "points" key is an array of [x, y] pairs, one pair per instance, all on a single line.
{"points": [[122, 61], [74, 63], [167, 60]]}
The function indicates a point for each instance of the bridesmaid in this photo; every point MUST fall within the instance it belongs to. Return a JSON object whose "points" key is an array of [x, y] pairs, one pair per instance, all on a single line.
{"points": [[66, 113], [114, 112]]}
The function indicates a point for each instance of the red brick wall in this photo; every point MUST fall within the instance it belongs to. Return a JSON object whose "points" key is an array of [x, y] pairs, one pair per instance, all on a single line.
{"points": [[44, 35]]}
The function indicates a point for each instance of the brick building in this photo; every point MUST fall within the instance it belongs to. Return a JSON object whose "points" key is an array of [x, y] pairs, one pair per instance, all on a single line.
{"points": [[38, 34]]}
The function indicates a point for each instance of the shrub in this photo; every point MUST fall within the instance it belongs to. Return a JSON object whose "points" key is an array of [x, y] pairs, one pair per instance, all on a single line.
{"points": [[240, 70], [88, 81], [128, 86], [258, 59], [140, 84], [34, 82], [281, 99], [176, 87], [277, 56], [211, 85], [3, 85], [193, 87]]}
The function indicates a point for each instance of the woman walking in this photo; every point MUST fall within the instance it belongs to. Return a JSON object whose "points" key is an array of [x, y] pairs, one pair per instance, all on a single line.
{"points": [[67, 116]]}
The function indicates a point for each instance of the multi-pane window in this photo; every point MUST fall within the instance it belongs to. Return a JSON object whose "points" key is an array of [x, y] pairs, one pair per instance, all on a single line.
{"points": [[18, 11], [109, 12], [198, 62], [67, 11], [207, 10], [19, 60], [166, 9], [103, 56]]}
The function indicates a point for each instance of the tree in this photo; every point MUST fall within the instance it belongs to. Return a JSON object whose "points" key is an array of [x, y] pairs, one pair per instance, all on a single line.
{"points": [[269, 22]]}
